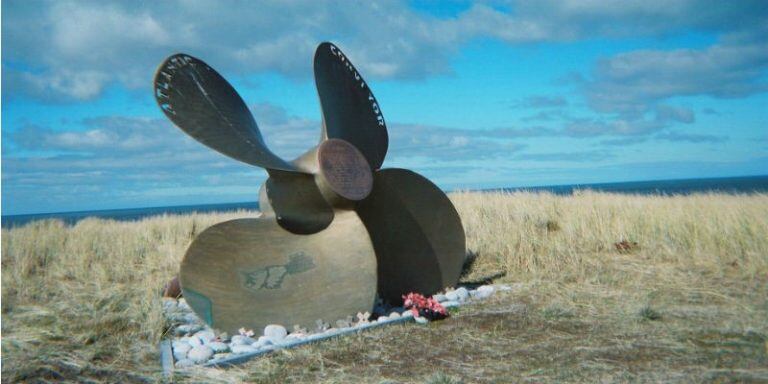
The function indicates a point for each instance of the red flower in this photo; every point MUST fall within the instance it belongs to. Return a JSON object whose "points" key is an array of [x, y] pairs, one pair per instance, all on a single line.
{"points": [[422, 306]]}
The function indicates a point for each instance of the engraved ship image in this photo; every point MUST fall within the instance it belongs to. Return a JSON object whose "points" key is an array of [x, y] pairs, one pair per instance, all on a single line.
{"points": [[335, 230]]}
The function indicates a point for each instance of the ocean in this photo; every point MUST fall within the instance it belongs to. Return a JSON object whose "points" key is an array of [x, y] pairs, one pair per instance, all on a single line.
{"points": [[745, 184]]}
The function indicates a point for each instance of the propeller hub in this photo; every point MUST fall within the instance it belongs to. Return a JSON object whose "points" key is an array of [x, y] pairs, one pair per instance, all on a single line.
{"points": [[344, 170]]}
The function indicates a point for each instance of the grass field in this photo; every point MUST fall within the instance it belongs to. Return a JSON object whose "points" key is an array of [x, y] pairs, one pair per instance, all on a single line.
{"points": [[607, 287]]}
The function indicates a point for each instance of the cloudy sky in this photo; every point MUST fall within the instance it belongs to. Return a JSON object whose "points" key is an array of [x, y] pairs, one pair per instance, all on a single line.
{"points": [[476, 94]]}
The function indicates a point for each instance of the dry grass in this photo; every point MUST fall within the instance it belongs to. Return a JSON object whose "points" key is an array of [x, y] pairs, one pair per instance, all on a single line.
{"points": [[687, 303]]}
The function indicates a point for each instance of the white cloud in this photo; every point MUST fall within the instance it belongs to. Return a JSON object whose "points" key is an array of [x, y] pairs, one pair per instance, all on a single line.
{"points": [[634, 82], [71, 50], [80, 85], [102, 30], [666, 113], [119, 158]]}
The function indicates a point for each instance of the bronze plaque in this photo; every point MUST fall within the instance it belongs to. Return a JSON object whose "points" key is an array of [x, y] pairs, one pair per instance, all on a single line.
{"points": [[345, 169]]}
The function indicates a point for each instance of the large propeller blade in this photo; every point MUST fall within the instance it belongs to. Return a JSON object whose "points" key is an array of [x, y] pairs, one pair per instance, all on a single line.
{"points": [[416, 233], [205, 106], [350, 111], [251, 273]]}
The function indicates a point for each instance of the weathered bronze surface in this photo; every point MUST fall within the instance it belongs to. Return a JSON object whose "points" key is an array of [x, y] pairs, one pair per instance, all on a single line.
{"points": [[251, 273], [343, 170], [350, 111], [297, 202], [200, 102], [329, 217], [416, 233]]}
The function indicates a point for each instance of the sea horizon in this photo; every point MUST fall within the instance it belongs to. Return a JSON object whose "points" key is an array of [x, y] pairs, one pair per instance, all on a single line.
{"points": [[729, 184]]}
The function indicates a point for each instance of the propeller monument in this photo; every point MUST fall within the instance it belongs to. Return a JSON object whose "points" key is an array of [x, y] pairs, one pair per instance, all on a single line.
{"points": [[335, 230]]}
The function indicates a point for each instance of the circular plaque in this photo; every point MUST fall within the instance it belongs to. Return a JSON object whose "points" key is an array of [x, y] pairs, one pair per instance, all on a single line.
{"points": [[345, 169]]}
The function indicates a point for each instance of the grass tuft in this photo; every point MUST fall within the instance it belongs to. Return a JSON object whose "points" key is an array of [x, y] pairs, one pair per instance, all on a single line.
{"points": [[441, 378], [650, 314], [552, 226]]}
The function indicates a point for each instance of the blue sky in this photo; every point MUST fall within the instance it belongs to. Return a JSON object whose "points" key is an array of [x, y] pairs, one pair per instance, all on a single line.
{"points": [[476, 94]]}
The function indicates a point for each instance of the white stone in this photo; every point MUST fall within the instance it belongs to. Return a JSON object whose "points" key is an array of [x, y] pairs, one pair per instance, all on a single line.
{"points": [[200, 354], [182, 341], [482, 292], [186, 328], [440, 298], [218, 356], [394, 315], [184, 363], [205, 335], [294, 337], [486, 288], [242, 340], [448, 304], [175, 317], [275, 333], [452, 296], [182, 303], [218, 346], [421, 320], [180, 351], [407, 314], [169, 304], [191, 318], [238, 349], [195, 341], [262, 342], [463, 293]]}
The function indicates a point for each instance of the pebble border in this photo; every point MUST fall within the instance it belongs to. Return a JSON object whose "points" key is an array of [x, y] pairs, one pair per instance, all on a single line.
{"points": [[169, 364]]}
